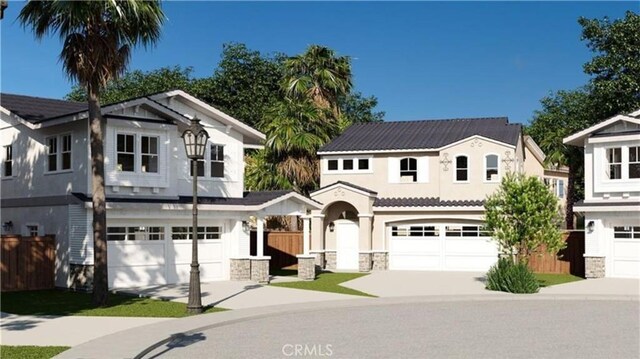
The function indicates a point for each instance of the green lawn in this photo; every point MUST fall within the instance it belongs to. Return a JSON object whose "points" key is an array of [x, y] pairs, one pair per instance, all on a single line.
{"points": [[29, 352], [58, 302], [547, 279], [327, 282]]}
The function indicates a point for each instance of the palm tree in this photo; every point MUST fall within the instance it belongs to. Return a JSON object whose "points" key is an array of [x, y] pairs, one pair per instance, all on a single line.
{"points": [[97, 40], [319, 75]]}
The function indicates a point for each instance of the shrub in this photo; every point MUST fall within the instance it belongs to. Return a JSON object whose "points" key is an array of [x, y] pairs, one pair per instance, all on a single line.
{"points": [[506, 276]]}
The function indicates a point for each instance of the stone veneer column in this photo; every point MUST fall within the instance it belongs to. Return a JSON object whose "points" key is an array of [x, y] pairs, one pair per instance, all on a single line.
{"points": [[330, 258], [240, 269], [380, 260], [260, 269], [319, 260], [81, 276], [594, 267], [306, 267], [364, 262]]}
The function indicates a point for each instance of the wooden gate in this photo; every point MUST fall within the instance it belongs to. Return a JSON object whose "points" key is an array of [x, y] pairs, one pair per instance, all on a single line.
{"points": [[28, 263], [568, 261], [281, 246]]}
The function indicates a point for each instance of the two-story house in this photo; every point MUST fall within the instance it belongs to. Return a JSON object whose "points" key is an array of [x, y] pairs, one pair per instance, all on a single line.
{"points": [[611, 203], [46, 188], [410, 195]]}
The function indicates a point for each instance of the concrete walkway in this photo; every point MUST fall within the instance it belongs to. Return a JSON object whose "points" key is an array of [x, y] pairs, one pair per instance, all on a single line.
{"points": [[597, 287], [63, 331]]}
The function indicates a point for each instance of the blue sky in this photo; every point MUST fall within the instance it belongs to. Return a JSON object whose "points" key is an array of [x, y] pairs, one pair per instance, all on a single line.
{"points": [[421, 59]]}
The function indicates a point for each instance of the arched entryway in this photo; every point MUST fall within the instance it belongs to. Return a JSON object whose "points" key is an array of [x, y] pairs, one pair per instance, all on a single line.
{"points": [[342, 236]]}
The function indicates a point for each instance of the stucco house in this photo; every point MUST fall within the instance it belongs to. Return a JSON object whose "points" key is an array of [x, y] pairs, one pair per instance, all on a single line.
{"points": [[409, 195], [46, 188], [611, 205]]}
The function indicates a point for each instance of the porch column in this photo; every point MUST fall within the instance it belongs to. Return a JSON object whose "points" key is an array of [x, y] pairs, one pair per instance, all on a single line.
{"points": [[365, 257], [260, 237], [317, 239], [305, 235]]}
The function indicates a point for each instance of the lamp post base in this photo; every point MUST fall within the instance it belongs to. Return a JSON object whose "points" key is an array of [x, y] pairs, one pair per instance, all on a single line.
{"points": [[194, 305]]}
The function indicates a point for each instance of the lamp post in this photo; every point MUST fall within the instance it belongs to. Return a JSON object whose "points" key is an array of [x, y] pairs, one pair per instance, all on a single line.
{"points": [[195, 142]]}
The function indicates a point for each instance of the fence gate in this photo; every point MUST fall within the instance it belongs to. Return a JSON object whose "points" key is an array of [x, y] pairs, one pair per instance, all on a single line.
{"points": [[281, 246], [28, 263]]}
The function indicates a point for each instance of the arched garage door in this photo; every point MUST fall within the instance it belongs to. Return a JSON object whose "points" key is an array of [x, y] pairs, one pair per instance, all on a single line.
{"points": [[441, 247]]}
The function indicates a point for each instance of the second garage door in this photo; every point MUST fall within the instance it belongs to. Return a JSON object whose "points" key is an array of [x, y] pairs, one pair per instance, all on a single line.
{"points": [[441, 246]]}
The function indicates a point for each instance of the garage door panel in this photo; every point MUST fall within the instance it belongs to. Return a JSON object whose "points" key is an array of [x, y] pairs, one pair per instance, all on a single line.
{"points": [[414, 262], [212, 251], [626, 248], [404, 245], [208, 271], [124, 254], [478, 246], [134, 276], [629, 268]]}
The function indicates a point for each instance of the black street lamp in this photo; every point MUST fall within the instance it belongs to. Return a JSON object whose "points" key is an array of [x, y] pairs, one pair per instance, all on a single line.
{"points": [[195, 142]]}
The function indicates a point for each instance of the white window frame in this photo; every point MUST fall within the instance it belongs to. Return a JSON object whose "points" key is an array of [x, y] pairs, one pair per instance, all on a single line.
{"points": [[340, 161], [142, 154], [59, 153], [137, 153], [219, 232], [135, 150], [217, 160], [455, 168], [27, 229], [486, 168], [636, 162], [5, 159], [415, 159], [609, 163], [142, 234]]}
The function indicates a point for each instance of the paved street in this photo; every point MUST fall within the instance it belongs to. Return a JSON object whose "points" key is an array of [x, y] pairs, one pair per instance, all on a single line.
{"points": [[481, 329]]}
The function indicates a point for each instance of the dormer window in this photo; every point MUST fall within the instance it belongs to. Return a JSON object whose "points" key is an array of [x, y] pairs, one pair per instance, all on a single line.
{"points": [[614, 157], [409, 170], [634, 162], [462, 169], [149, 152], [491, 168], [126, 153]]}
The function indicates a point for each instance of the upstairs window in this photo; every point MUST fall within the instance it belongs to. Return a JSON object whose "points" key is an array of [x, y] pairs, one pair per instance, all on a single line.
{"points": [[347, 165], [462, 169], [614, 157], [58, 153], [491, 168], [560, 188], [352, 165], [634, 162], [408, 170], [217, 161], [332, 165], [363, 164], [8, 161], [149, 152], [52, 154], [126, 153]]}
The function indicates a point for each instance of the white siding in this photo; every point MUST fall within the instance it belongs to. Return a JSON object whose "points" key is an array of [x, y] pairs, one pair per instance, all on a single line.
{"points": [[80, 239]]}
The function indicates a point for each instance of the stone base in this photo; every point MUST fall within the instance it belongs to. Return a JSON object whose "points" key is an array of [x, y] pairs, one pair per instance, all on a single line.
{"points": [[306, 267], [364, 262], [260, 269], [240, 269], [319, 260], [594, 267], [330, 260], [380, 260], [81, 276]]}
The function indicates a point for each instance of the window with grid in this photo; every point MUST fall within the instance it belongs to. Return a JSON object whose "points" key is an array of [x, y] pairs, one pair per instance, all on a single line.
{"points": [[614, 156], [409, 169], [462, 168], [125, 149], [32, 230], [217, 161], [626, 232], [149, 154], [135, 233], [66, 152], [634, 162], [415, 231], [8, 161], [52, 154], [466, 231], [205, 232]]}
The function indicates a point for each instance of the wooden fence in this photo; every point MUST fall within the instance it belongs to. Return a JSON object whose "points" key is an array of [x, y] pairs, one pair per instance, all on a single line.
{"points": [[281, 246], [568, 261], [27, 263]]}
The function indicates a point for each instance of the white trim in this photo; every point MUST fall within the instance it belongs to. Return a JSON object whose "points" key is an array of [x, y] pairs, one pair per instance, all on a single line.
{"points": [[455, 168], [337, 184], [59, 146], [484, 168], [534, 148], [407, 150], [341, 170], [577, 138], [369, 215], [612, 208], [428, 209], [614, 139]]}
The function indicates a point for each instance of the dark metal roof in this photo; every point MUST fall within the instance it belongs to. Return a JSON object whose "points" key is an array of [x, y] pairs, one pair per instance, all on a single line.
{"points": [[348, 184], [424, 202], [248, 199], [38, 109], [425, 134]]}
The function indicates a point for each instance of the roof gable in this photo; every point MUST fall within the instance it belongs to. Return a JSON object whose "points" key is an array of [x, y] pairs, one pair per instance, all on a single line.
{"points": [[38, 109], [426, 134], [616, 125]]}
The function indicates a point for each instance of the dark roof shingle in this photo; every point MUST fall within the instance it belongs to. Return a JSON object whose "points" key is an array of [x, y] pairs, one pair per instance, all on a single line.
{"points": [[424, 202], [425, 134], [37, 109], [248, 199]]}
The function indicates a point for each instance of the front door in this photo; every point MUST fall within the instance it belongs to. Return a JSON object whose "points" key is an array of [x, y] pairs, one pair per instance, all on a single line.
{"points": [[346, 245]]}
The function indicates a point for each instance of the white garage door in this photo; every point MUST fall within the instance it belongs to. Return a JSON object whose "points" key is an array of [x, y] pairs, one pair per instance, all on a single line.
{"points": [[143, 256], [626, 252], [441, 246]]}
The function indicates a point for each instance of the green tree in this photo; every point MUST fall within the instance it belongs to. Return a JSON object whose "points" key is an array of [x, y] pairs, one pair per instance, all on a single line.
{"points": [[523, 216], [614, 87], [97, 40]]}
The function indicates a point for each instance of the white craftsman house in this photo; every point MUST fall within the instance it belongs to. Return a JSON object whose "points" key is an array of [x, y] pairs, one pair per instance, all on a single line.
{"points": [[46, 189], [409, 195], [611, 205]]}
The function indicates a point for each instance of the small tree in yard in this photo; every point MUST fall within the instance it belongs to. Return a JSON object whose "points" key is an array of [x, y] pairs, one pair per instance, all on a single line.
{"points": [[523, 216]]}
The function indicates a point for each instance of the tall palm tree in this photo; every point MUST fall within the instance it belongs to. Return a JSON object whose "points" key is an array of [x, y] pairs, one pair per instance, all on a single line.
{"points": [[319, 75], [98, 37]]}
